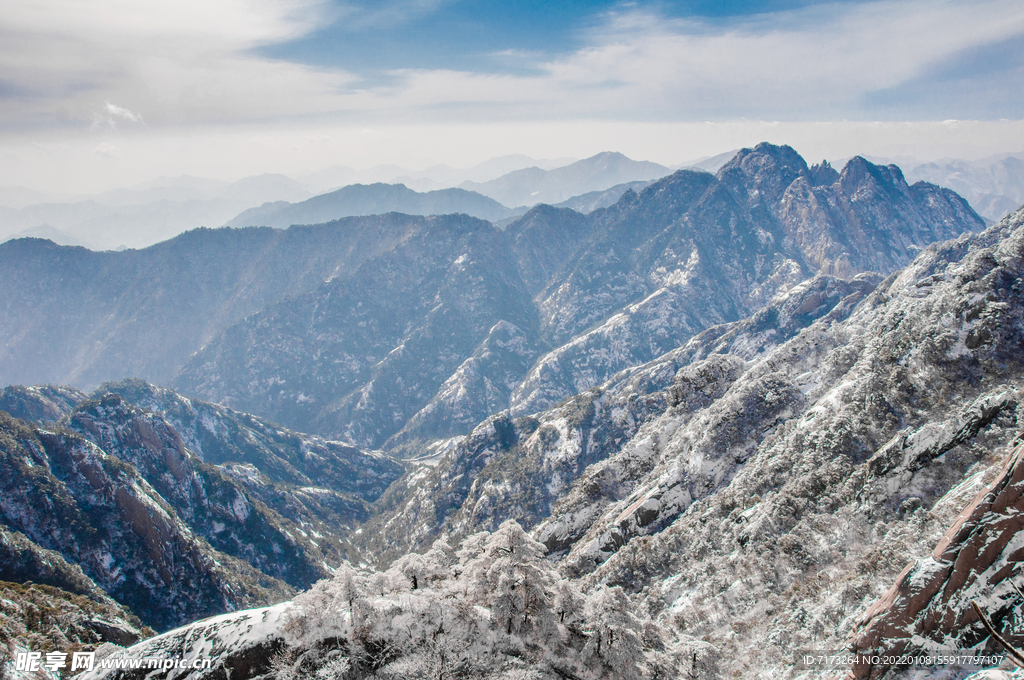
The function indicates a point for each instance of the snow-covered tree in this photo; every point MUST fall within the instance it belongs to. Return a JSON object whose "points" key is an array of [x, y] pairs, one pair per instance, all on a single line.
{"points": [[568, 604], [424, 571], [345, 582], [614, 641], [495, 608], [518, 579]]}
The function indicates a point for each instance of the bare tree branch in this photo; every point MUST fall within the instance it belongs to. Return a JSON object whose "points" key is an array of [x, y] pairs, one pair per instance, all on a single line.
{"points": [[1018, 658]]}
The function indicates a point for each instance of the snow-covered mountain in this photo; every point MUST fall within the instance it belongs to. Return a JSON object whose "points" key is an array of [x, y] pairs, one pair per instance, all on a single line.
{"points": [[557, 303], [733, 416], [165, 510], [840, 471]]}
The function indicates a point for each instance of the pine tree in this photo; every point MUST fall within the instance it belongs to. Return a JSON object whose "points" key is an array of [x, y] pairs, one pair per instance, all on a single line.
{"points": [[519, 578], [568, 605], [346, 585], [614, 634]]}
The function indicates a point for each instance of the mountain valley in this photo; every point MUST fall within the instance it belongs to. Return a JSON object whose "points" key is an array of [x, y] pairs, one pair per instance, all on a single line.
{"points": [[726, 419]]}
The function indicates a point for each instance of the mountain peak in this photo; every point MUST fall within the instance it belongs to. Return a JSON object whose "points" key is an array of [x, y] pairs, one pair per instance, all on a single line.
{"points": [[766, 169]]}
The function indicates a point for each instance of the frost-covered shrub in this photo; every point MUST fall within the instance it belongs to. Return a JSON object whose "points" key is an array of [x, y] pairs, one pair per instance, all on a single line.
{"points": [[493, 609]]}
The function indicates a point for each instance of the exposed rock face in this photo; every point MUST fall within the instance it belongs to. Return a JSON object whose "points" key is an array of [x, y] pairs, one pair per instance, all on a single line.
{"points": [[225, 512], [221, 436], [67, 495], [122, 504], [929, 607], [36, 617], [42, 404], [679, 400], [692, 250]]}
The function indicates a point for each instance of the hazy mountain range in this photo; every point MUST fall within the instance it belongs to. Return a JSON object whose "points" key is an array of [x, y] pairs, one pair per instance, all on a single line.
{"points": [[162, 208], [360, 327], [157, 210], [994, 186], [733, 415]]}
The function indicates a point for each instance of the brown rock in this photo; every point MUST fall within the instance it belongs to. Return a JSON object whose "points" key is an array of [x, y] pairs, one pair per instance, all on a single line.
{"points": [[929, 607]]}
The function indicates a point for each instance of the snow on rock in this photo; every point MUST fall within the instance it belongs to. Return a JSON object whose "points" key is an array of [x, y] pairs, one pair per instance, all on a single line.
{"points": [[976, 561], [239, 644]]}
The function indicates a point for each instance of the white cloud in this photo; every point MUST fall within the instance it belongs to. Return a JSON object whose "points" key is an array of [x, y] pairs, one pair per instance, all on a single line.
{"points": [[112, 113], [813, 63], [183, 62], [643, 84], [107, 150], [194, 62], [115, 111]]}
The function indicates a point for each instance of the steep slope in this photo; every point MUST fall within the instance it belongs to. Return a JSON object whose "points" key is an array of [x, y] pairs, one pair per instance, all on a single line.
{"points": [[771, 519], [373, 199], [78, 317], [305, 463], [359, 355], [41, 404], [67, 495], [929, 609], [526, 467], [41, 618], [266, 500], [210, 502]]}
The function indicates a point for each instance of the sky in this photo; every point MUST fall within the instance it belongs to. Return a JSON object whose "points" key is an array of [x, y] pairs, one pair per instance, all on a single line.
{"points": [[115, 92]]}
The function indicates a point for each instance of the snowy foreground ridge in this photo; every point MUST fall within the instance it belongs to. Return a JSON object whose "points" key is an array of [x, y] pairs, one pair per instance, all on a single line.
{"points": [[493, 609]]}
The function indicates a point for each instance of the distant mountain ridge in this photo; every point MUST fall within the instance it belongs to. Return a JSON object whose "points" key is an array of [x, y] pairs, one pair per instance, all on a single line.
{"points": [[530, 186], [373, 199], [143, 312], [994, 186], [150, 213]]}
